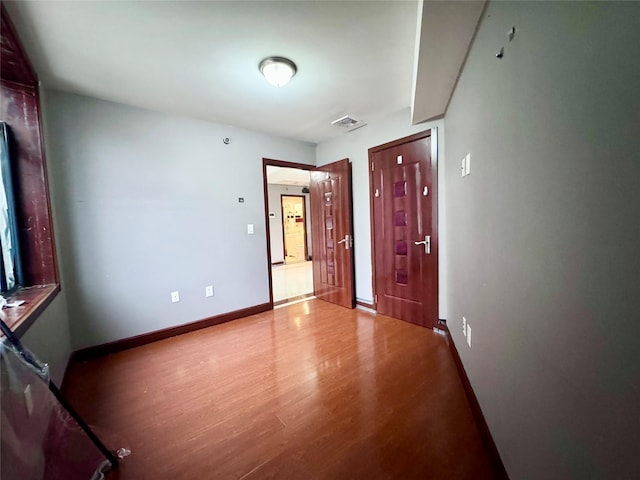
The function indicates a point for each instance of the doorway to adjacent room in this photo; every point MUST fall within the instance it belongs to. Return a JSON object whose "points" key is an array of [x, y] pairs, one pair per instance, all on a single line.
{"points": [[289, 233], [294, 227], [309, 238]]}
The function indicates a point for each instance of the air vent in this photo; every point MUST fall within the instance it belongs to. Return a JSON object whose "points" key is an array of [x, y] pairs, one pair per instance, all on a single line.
{"points": [[348, 123]]}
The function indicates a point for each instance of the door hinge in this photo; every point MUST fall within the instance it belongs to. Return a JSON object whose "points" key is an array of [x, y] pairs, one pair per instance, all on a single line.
{"points": [[375, 299], [372, 167]]}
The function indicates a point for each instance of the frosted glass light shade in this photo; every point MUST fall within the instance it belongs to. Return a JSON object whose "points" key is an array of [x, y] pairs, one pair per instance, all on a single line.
{"points": [[278, 70]]}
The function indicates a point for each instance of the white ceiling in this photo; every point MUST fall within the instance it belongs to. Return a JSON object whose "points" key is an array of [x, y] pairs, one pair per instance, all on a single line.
{"points": [[200, 59], [288, 176]]}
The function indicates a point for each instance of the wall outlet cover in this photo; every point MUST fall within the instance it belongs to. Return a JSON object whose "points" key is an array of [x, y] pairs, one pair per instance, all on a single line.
{"points": [[208, 291], [175, 296]]}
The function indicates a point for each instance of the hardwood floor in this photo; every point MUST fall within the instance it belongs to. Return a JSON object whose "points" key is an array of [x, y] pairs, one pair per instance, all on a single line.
{"points": [[307, 391]]}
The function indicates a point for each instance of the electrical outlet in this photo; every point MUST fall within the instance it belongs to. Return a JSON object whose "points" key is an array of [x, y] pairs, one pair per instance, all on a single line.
{"points": [[208, 291], [28, 400], [175, 296], [464, 326], [469, 336]]}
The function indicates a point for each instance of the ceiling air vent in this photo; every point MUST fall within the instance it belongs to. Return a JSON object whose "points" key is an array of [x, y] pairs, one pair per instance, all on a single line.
{"points": [[348, 123]]}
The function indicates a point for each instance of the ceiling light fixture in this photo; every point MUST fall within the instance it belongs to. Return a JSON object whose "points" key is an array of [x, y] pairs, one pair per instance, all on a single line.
{"points": [[278, 70]]}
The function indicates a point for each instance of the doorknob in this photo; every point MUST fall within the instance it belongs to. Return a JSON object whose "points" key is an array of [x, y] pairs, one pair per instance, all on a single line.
{"points": [[426, 242], [345, 240]]}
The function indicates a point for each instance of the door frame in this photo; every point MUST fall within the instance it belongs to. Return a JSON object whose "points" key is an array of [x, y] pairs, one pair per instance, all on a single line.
{"points": [[304, 209], [433, 133], [275, 163]]}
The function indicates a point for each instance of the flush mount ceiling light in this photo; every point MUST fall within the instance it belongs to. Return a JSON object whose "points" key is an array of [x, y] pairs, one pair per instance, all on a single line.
{"points": [[278, 70]]}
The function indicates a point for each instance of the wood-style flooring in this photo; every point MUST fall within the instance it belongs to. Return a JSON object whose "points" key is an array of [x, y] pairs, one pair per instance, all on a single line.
{"points": [[307, 391]]}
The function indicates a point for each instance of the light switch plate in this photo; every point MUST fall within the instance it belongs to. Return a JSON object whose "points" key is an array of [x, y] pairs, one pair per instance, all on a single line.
{"points": [[469, 335], [464, 326], [250, 229], [208, 291], [467, 164], [463, 166], [175, 296]]}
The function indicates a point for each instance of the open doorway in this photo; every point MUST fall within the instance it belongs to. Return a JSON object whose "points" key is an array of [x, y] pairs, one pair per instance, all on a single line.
{"points": [[291, 247], [294, 227], [330, 276]]}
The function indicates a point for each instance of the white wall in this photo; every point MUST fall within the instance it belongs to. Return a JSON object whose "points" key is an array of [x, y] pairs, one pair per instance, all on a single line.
{"points": [[275, 205], [544, 234], [355, 146], [148, 203]]}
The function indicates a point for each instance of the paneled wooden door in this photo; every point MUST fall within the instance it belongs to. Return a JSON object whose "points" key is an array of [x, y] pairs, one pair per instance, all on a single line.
{"points": [[405, 239], [332, 233]]}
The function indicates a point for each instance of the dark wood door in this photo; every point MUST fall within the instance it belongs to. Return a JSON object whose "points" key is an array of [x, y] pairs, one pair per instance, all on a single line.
{"points": [[332, 233], [404, 198]]}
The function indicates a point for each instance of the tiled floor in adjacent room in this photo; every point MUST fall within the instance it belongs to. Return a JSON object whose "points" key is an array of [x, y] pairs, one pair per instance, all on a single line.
{"points": [[292, 280]]}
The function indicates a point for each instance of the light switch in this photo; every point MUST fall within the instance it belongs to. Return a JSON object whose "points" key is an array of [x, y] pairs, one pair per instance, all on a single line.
{"points": [[250, 229], [463, 166], [469, 335], [468, 164]]}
